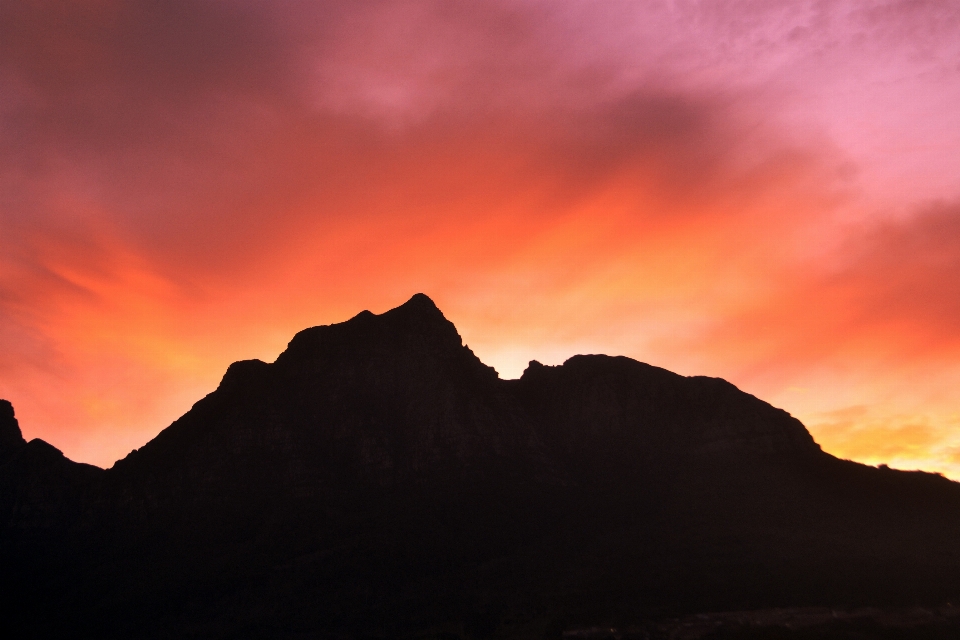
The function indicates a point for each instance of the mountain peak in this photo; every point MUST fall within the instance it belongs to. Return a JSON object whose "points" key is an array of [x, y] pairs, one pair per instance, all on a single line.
{"points": [[419, 308], [418, 321], [420, 301]]}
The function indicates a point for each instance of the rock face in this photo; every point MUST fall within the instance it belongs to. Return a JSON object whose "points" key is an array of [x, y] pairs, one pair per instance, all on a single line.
{"points": [[598, 412], [40, 490], [11, 440], [379, 480], [377, 398]]}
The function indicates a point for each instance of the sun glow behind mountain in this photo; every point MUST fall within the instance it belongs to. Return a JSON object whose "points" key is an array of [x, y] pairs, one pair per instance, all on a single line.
{"points": [[763, 193]]}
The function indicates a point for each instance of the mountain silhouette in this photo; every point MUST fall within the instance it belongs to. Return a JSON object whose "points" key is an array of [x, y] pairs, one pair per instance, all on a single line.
{"points": [[378, 480]]}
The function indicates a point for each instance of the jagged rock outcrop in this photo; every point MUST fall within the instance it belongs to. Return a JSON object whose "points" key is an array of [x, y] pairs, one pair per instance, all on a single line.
{"points": [[41, 491], [377, 479], [11, 439]]}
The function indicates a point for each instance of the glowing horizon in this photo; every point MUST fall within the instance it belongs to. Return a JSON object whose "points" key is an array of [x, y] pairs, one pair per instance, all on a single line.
{"points": [[761, 192]]}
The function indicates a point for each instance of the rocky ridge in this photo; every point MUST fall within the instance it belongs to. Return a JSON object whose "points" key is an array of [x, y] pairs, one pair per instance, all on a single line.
{"points": [[377, 479]]}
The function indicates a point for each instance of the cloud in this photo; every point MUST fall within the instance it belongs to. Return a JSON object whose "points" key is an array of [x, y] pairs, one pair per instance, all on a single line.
{"points": [[884, 292], [854, 432], [204, 135], [187, 182], [907, 272]]}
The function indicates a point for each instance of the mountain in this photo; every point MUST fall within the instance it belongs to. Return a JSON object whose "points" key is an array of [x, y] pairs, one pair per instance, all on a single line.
{"points": [[378, 480]]}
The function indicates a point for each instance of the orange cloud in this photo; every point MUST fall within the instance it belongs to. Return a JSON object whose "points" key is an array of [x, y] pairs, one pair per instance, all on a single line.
{"points": [[187, 183]]}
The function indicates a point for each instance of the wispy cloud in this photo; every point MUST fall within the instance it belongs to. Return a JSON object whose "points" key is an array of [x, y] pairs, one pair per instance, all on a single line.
{"points": [[736, 188]]}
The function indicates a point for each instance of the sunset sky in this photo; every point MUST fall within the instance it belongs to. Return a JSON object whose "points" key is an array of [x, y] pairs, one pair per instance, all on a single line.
{"points": [[764, 191]]}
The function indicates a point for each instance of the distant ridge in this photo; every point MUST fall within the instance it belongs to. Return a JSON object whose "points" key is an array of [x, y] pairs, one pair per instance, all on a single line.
{"points": [[378, 480]]}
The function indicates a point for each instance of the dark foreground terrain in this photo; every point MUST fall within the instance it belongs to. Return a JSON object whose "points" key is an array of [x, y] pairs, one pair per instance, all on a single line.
{"points": [[916, 623], [378, 480]]}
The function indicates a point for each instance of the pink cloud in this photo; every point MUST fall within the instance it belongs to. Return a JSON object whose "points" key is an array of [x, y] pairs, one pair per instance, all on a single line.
{"points": [[182, 181]]}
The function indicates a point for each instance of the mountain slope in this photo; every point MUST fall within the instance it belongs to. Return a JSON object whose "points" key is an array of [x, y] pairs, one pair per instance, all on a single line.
{"points": [[378, 479]]}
